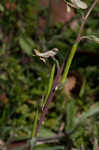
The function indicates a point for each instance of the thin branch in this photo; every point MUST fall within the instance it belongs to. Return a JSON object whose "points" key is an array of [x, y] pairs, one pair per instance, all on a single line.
{"points": [[60, 70], [55, 84], [84, 20]]}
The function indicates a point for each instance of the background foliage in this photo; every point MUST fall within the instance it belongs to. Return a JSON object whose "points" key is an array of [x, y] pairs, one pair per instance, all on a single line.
{"points": [[25, 25]]}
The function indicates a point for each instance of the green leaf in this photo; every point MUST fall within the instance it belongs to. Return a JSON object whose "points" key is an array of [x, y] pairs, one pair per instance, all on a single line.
{"points": [[23, 109], [50, 84], [1, 8], [59, 147], [27, 45], [91, 112], [69, 61], [45, 132], [93, 38], [19, 148], [70, 113]]}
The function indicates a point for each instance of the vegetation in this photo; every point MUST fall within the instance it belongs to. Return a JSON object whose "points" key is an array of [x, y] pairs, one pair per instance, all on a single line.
{"points": [[49, 72]]}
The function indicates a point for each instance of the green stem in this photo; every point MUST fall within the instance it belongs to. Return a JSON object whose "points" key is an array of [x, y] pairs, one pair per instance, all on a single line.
{"points": [[69, 61], [50, 84]]}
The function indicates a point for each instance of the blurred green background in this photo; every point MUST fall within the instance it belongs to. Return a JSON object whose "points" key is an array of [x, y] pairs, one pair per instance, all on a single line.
{"points": [[29, 24]]}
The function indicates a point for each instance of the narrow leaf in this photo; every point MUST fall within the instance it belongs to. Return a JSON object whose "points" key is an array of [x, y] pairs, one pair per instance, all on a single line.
{"points": [[50, 84], [91, 112], [70, 113], [69, 61], [92, 38]]}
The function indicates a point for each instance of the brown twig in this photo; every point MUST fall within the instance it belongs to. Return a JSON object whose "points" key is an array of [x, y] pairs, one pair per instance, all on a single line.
{"points": [[84, 21], [55, 84], [39, 140]]}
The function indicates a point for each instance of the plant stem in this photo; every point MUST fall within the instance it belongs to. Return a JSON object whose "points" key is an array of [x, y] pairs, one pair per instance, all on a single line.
{"points": [[52, 93], [67, 67], [75, 46], [84, 20]]}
